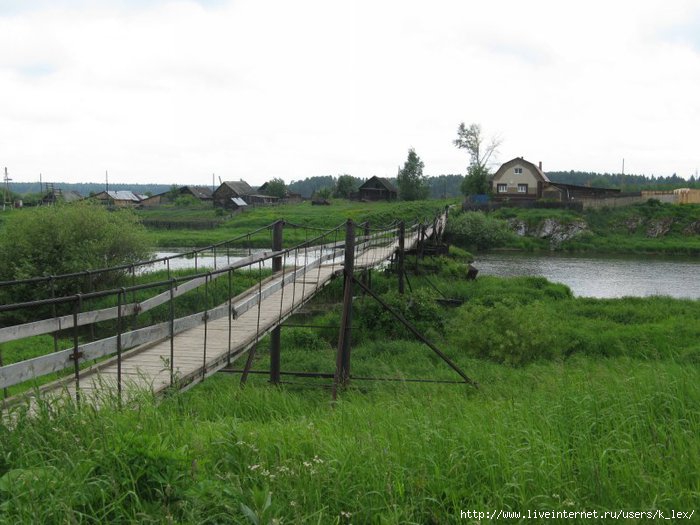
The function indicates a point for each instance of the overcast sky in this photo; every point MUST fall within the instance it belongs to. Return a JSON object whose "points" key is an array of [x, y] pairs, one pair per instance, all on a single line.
{"points": [[165, 91]]}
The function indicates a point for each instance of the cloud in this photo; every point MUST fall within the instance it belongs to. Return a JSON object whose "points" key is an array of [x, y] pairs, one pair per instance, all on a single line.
{"points": [[171, 91]]}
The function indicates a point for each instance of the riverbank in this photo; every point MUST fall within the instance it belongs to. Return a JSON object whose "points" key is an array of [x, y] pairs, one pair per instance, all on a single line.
{"points": [[649, 228], [583, 404]]}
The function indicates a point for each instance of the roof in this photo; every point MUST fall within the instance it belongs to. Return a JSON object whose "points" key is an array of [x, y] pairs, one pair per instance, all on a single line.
{"points": [[120, 195], [520, 160], [201, 192], [241, 187], [384, 182], [238, 201]]}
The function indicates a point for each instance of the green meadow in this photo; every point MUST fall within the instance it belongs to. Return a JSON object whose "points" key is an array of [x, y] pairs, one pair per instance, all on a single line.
{"points": [[298, 214], [582, 404]]}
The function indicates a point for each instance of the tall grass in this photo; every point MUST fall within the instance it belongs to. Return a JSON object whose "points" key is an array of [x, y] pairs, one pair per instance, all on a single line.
{"points": [[583, 430]]}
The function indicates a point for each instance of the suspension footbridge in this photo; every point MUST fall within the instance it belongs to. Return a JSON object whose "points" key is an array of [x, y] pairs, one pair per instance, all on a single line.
{"points": [[168, 351]]}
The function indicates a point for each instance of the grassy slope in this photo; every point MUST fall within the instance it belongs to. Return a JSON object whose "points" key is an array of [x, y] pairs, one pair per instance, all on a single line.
{"points": [[617, 230], [327, 217], [576, 428]]}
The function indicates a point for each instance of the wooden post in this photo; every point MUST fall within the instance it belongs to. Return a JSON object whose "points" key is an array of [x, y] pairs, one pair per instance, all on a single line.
{"points": [[342, 366], [276, 334], [367, 247], [401, 269]]}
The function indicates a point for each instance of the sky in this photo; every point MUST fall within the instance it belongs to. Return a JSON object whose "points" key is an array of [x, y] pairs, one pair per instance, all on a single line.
{"points": [[181, 91]]}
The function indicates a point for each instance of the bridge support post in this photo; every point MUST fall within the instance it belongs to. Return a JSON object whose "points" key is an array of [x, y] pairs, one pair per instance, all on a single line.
{"points": [[276, 334], [401, 255], [342, 365]]}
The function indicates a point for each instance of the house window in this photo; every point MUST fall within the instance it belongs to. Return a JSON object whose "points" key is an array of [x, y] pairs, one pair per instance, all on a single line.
{"points": [[522, 188], [502, 188], [518, 171]]}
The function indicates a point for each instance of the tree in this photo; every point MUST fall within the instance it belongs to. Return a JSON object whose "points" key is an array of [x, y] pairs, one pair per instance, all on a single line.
{"points": [[69, 238], [471, 139], [277, 188], [476, 182], [345, 186], [413, 185]]}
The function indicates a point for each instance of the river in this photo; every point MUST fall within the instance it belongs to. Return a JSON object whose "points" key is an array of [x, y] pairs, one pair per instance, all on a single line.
{"points": [[603, 277], [587, 276]]}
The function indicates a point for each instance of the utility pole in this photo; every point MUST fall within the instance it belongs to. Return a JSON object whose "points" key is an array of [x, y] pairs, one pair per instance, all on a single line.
{"points": [[622, 178], [106, 182], [7, 180]]}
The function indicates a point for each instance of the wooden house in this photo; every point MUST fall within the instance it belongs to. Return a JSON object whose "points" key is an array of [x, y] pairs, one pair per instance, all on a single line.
{"points": [[229, 190], [377, 189], [120, 198]]}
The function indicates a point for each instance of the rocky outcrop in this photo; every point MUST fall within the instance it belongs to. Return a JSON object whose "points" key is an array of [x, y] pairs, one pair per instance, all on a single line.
{"points": [[632, 224], [692, 229], [659, 227], [553, 230]]}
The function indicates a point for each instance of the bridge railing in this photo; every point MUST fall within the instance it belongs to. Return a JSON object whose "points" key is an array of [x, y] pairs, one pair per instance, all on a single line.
{"points": [[116, 308]]}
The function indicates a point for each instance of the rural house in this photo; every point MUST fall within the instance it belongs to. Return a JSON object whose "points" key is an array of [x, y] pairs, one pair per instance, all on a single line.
{"points": [[121, 198], [229, 190], [377, 189], [201, 193], [520, 180]]}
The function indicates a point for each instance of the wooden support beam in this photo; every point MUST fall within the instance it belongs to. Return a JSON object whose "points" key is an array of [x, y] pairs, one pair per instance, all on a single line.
{"points": [[342, 368], [276, 334]]}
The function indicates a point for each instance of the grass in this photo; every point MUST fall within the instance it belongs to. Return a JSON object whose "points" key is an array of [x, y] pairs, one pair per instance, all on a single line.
{"points": [[572, 428], [325, 217]]}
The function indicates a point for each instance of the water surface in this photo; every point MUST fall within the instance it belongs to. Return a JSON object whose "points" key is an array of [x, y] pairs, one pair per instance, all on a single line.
{"points": [[604, 277]]}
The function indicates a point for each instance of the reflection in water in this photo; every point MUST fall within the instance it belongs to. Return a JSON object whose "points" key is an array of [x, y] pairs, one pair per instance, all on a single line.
{"points": [[602, 277]]}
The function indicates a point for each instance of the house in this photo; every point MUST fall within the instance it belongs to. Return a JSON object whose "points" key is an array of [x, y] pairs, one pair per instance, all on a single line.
{"points": [[229, 190], [119, 198], [520, 180], [201, 193], [55, 195], [377, 189]]}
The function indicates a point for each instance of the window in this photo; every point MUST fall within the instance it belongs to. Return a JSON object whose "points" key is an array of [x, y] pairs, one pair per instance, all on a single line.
{"points": [[518, 171], [502, 188], [522, 188]]}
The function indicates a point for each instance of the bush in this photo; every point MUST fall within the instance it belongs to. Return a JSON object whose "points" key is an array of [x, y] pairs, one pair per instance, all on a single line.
{"points": [[478, 230], [69, 238], [507, 333], [418, 308]]}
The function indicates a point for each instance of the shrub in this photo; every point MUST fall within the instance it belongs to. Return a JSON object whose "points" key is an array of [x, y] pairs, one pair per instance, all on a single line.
{"points": [[66, 239], [507, 332], [478, 230]]}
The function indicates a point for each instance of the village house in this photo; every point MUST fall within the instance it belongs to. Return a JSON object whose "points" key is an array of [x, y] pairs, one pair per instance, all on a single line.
{"points": [[520, 180], [120, 198], [223, 195], [202, 193], [377, 189]]}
